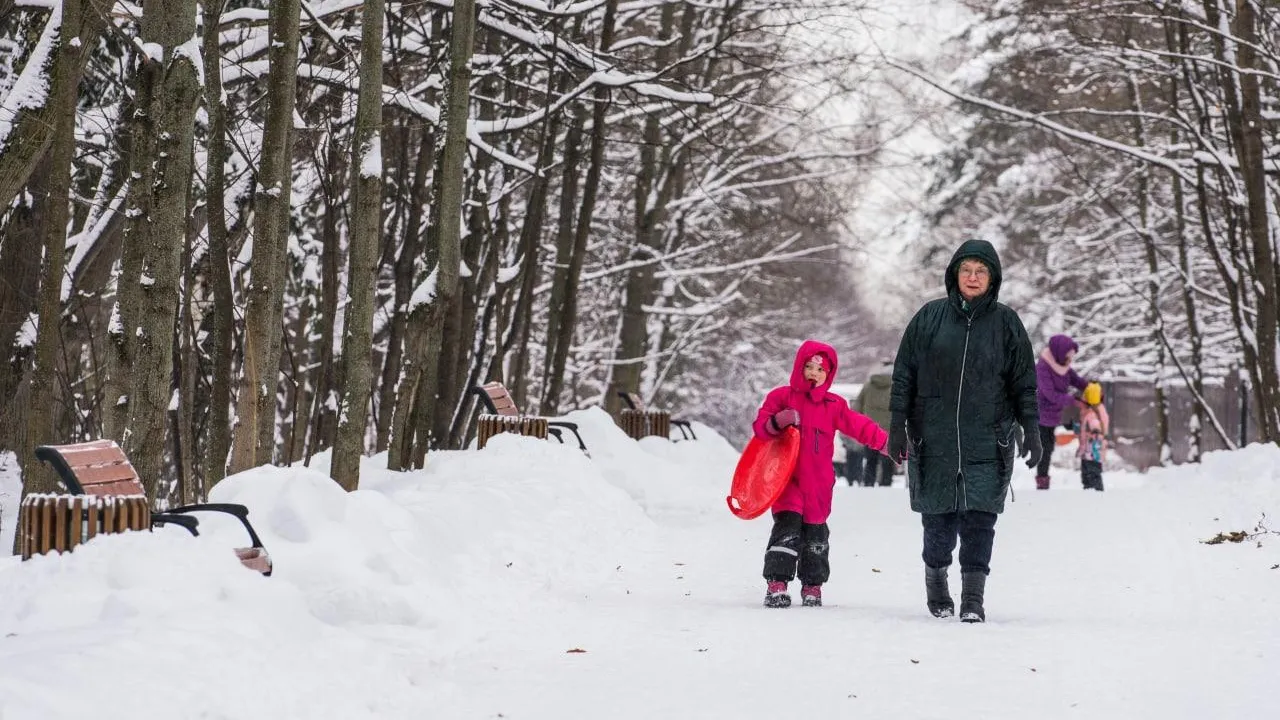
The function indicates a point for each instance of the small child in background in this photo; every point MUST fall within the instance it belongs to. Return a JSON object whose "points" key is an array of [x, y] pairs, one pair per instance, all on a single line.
{"points": [[800, 532], [1093, 427]]}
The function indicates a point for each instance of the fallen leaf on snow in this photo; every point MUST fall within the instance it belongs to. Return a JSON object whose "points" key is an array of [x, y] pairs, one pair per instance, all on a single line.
{"points": [[1234, 536]]}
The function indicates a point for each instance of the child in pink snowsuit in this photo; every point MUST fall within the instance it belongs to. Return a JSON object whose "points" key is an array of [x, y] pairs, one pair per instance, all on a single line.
{"points": [[1094, 426], [800, 530]]}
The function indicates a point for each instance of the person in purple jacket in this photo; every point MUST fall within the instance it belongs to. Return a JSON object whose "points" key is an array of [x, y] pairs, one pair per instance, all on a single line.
{"points": [[1054, 380]]}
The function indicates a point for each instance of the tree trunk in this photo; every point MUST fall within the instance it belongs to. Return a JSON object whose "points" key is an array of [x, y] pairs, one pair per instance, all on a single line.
{"points": [[324, 404], [1221, 243], [413, 409], [567, 311], [1245, 122], [168, 93], [253, 439], [218, 439], [404, 275], [511, 313], [38, 477], [1196, 381], [20, 256], [366, 232], [560, 328], [33, 126], [652, 193], [1154, 319], [186, 365]]}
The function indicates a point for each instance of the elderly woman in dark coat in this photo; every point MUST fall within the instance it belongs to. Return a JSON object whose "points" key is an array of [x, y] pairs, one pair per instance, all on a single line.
{"points": [[964, 383]]}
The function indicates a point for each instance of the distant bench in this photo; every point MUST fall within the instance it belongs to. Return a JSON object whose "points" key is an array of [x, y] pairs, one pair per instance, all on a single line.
{"points": [[504, 416], [106, 496], [638, 422]]}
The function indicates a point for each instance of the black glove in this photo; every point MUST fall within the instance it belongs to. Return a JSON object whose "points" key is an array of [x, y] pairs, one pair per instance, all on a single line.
{"points": [[897, 439], [1031, 445]]}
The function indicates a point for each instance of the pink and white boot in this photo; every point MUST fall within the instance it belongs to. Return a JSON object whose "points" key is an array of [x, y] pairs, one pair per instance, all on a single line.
{"points": [[775, 595]]}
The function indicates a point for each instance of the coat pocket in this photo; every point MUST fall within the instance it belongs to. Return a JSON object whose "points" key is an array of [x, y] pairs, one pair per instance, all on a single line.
{"points": [[1004, 434]]}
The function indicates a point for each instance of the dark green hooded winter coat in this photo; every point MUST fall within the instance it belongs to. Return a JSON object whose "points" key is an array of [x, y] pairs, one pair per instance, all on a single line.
{"points": [[964, 379]]}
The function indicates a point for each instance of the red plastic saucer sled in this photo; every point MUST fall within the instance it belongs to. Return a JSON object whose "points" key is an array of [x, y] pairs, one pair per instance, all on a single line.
{"points": [[763, 472]]}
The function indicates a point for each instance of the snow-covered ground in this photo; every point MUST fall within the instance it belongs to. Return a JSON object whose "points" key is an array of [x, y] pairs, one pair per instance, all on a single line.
{"points": [[528, 581]]}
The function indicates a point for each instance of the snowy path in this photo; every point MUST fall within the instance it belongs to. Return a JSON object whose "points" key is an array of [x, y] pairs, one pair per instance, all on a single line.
{"points": [[1099, 606], [457, 592]]}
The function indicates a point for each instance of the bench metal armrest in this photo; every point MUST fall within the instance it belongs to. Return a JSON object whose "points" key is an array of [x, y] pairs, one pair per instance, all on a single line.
{"points": [[686, 428], [189, 523], [239, 511], [53, 456], [484, 397], [254, 557], [571, 427]]}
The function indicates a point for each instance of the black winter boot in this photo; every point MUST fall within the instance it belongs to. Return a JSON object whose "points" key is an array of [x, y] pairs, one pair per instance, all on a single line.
{"points": [[938, 592], [973, 585]]}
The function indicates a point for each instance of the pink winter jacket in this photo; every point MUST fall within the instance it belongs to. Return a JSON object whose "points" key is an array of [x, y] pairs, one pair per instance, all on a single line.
{"points": [[1094, 426], [821, 414]]}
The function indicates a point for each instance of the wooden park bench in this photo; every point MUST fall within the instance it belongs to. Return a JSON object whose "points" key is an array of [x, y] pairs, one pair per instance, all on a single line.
{"points": [[638, 422], [504, 416], [106, 496]]}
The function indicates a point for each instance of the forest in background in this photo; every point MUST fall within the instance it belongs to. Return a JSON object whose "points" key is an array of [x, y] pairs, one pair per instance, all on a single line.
{"points": [[1125, 156], [238, 233], [245, 232]]}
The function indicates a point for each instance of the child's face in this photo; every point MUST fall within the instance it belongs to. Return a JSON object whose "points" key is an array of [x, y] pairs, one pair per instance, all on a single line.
{"points": [[1071, 355], [814, 372]]}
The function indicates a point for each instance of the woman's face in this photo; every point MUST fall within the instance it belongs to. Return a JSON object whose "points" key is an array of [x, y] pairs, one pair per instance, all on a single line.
{"points": [[1071, 355]]}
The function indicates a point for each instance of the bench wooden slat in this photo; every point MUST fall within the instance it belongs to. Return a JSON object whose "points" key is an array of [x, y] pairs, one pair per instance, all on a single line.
{"points": [[88, 446], [77, 520], [141, 514], [114, 489], [501, 398], [24, 530], [490, 425], [46, 514], [60, 532], [77, 456], [502, 401], [89, 475], [64, 522]]}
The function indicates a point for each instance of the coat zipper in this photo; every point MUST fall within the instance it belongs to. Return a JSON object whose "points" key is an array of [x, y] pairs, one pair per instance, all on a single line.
{"points": [[964, 358]]}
